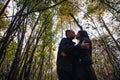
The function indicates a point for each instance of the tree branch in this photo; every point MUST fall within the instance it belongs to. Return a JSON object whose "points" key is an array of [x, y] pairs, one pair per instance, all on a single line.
{"points": [[5, 6], [76, 21]]}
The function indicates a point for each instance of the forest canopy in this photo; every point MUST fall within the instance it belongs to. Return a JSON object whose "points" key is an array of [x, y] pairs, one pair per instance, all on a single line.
{"points": [[30, 31]]}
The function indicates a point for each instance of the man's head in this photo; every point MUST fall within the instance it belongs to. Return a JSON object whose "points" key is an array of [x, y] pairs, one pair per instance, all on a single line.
{"points": [[70, 34]]}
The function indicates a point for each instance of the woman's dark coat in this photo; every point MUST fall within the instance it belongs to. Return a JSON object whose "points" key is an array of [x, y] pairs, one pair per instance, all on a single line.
{"points": [[82, 60]]}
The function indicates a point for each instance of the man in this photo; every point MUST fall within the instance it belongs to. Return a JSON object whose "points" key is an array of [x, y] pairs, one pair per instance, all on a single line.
{"points": [[64, 58]]}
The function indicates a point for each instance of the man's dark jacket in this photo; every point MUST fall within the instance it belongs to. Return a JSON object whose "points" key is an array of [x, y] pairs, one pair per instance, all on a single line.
{"points": [[65, 62]]}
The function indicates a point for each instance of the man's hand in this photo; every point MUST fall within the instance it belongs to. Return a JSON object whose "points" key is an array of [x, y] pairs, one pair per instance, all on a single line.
{"points": [[63, 54], [85, 45]]}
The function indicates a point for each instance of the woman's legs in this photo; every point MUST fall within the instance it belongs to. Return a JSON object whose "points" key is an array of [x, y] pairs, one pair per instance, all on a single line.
{"points": [[84, 72]]}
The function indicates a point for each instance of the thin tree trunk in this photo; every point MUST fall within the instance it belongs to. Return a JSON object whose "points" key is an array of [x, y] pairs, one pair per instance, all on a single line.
{"points": [[5, 6], [118, 46], [76, 21], [13, 27]]}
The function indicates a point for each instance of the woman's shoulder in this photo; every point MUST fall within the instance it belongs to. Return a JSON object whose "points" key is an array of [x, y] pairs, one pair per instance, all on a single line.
{"points": [[86, 40]]}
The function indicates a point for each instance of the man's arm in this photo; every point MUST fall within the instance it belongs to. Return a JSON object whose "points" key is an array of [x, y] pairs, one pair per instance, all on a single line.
{"points": [[63, 45], [85, 45], [63, 54], [66, 47]]}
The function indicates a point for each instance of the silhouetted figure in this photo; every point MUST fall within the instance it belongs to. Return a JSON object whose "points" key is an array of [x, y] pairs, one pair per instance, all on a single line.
{"points": [[82, 63], [64, 59]]}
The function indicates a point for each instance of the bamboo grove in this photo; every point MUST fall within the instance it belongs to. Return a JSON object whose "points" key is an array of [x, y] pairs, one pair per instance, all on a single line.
{"points": [[29, 35]]}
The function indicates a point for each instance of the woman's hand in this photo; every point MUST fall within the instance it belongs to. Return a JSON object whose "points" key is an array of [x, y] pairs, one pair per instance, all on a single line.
{"points": [[85, 45], [63, 54]]}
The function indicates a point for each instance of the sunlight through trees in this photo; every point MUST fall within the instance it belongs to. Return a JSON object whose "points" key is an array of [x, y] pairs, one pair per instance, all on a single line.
{"points": [[28, 36]]}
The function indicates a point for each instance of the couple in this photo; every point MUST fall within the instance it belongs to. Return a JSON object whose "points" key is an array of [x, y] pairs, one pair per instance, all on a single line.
{"points": [[74, 62]]}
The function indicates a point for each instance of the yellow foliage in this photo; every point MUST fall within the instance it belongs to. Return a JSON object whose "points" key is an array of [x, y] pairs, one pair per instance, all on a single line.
{"points": [[3, 23], [68, 7], [1, 6], [96, 8], [65, 9], [63, 18]]}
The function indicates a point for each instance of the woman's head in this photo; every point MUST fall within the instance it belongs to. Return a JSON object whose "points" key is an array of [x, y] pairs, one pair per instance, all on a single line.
{"points": [[81, 34]]}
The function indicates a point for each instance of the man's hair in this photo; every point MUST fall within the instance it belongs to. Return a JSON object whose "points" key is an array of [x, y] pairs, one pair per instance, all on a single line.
{"points": [[66, 32]]}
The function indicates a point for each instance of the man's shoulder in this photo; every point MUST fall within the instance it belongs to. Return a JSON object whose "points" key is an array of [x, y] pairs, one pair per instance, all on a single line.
{"points": [[63, 39]]}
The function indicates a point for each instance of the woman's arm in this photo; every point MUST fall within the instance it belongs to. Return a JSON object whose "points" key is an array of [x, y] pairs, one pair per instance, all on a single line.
{"points": [[85, 45]]}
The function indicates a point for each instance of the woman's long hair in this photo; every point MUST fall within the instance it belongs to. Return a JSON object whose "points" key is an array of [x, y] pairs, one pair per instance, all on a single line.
{"points": [[83, 34]]}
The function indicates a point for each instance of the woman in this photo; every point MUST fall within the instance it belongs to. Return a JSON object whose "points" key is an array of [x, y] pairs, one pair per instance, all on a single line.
{"points": [[82, 67]]}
